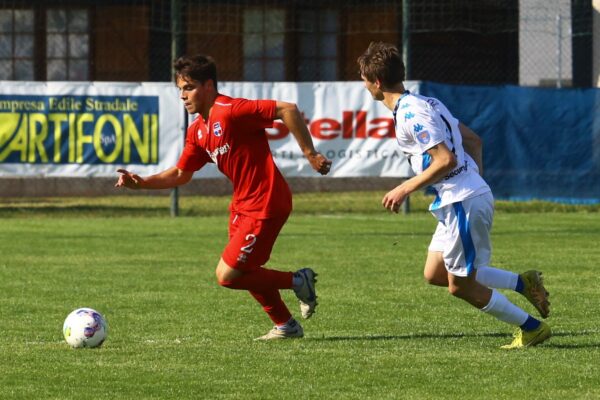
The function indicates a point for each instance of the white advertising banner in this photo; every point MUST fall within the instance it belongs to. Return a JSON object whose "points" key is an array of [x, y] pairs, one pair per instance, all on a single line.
{"points": [[91, 129], [347, 126], [70, 129]]}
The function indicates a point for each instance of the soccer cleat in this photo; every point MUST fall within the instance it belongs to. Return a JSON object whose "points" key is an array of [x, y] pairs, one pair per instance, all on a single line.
{"points": [[535, 292], [529, 338], [306, 294], [293, 332]]}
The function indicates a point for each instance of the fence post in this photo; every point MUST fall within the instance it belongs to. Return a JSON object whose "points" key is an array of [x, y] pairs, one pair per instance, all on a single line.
{"points": [[407, 67], [406, 205], [559, 51], [176, 46], [406, 38]]}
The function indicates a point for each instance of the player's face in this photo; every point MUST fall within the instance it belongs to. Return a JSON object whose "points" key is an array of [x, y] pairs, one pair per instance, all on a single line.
{"points": [[373, 88], [194, 94]]}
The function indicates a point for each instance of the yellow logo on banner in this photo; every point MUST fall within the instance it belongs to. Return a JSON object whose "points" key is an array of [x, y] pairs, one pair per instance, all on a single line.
{"points": [[113, 132]]}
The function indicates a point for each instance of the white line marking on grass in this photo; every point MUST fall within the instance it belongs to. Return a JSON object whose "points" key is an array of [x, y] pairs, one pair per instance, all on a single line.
{"points": [[355, 217], [168, 341]]}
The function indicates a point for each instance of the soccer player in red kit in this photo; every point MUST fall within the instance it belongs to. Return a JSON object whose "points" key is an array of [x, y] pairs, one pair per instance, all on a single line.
{"points": [[230, 132]]}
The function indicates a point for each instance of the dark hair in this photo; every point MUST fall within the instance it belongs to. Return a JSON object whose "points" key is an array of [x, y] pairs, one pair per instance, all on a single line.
{"points": [[382, 61], [198, 67]]}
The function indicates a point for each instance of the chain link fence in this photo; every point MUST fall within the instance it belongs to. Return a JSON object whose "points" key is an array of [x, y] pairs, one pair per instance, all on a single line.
{"points": [[523, 42], [467, 42]]}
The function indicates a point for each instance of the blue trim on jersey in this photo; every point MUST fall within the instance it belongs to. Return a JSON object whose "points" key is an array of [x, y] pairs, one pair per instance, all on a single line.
{"points": [[395, 111], [465, 235], [436, 202], [426, 161]]}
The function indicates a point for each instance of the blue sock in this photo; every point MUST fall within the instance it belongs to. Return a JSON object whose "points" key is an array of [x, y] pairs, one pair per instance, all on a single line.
{"points": [[520, 285], [530, 324]]}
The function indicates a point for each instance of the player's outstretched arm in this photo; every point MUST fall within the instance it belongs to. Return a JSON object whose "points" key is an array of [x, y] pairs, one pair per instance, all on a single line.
{"points": [[292, 119], [166, 179], [473, 145]]}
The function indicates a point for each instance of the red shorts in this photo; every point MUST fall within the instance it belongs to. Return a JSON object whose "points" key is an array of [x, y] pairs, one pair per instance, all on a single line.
{"points": [[250, 241]]}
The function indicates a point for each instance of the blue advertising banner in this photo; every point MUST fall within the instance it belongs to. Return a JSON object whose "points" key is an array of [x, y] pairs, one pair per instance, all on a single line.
{"points": [[539, 143]]}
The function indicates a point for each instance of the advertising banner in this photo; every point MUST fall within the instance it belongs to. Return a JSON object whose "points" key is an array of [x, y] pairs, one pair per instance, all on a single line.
{"points": [[88, 129], [346, 124], [91, 129]]}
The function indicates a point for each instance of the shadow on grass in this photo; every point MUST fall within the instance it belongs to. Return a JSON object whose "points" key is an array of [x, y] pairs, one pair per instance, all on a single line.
{"points": [[418, 336], [408, 337], [592, 345]]}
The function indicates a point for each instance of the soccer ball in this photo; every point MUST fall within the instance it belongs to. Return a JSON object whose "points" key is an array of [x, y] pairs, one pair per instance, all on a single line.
{"points": [[85, 327]]}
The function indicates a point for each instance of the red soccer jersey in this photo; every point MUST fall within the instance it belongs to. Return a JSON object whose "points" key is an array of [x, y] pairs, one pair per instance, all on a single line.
{"points": [[234, 138]]}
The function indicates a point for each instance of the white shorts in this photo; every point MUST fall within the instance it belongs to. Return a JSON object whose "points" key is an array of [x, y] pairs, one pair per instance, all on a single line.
{"points": [[463, 234]]}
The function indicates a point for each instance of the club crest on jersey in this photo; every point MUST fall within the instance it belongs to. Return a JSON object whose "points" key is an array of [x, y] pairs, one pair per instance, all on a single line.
{"points": [[217, 130], [199, 133], [423, 137]]}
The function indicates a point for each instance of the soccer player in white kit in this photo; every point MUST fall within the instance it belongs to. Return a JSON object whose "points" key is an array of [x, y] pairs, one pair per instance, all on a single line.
{"points": [[446, 154]]}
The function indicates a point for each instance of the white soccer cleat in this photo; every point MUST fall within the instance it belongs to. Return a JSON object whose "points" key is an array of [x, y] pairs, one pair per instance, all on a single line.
{"points": [[292, 331], [306, 294]]}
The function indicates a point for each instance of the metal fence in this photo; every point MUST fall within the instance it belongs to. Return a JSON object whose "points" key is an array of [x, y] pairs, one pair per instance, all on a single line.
{"points": [[523, 42], [467, 42]]}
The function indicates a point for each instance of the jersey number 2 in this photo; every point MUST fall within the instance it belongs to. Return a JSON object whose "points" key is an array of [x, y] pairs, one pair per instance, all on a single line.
{"points": [[248, 248]]}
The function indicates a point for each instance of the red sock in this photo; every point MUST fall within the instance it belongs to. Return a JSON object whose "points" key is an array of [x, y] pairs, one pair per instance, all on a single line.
{"points": [[261, 280], [273, 305]]}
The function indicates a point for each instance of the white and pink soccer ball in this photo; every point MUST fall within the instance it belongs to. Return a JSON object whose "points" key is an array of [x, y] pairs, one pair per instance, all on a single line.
{"points": [[85, 327]]}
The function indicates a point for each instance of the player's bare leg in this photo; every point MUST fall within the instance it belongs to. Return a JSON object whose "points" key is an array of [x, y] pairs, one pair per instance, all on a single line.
{"points": [[435, 271], [227, 274], [529, 284], [530, 332], [264, 284], [468, 289], [256, 279]]}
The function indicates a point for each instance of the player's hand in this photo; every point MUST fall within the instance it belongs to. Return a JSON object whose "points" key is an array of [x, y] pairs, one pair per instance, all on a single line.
{"points": [[128, 180], [394, 198], [319, 163]]}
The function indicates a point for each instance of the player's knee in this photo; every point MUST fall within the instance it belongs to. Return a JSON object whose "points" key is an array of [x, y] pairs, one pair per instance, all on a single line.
{"points": [[223, 279], [430, 278], [227, 277], [462, 287], [457, 290], [435, 278], [225, 284]]}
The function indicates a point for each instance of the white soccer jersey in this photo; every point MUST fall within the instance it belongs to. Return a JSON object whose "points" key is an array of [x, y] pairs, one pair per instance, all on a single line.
{"points": [[421, 123]]}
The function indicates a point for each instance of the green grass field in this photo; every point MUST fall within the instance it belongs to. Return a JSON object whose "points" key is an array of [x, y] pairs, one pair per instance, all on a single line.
{"points": [[379, 332]]}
